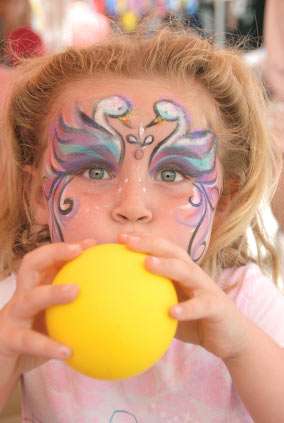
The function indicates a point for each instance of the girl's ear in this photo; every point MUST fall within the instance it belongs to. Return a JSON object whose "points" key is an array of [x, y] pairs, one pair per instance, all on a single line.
{"points": [[221, 210], [36, 196], [224, 203]]}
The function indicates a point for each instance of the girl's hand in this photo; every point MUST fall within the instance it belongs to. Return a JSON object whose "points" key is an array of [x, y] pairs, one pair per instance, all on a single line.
{"points": [[206, 315], [23, 341]]}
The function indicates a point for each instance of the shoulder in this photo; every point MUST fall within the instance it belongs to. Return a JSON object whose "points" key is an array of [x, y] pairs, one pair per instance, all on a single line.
{"points": [[7, 289], [257, 297], [243, 277]]}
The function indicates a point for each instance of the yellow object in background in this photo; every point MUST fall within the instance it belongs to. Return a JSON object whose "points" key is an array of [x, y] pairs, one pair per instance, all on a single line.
{"points": [[129, 21], [119, 325], [38, 22]]}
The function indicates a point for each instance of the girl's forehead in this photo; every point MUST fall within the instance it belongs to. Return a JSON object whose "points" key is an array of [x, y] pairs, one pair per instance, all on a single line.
{"points": [[140, 95]]}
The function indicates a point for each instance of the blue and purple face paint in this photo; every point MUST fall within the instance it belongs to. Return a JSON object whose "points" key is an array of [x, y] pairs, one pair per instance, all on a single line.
{"points": [[93, 142]]}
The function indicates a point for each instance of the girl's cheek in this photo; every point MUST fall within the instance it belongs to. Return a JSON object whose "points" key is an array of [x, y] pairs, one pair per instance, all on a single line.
{"points": [[88, 222], [189, 213], [70, 208], [196, 219]]}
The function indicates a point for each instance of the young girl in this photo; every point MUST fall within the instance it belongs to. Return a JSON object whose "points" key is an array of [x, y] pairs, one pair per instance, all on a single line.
{"points": [[159, 144]]}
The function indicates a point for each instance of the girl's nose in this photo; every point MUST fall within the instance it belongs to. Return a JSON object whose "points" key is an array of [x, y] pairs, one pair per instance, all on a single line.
{"points": [[133, 205]]}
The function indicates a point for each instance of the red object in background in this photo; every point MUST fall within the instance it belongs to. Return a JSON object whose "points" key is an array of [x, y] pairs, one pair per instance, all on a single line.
{"points": [[23, 43], [99, 6]]}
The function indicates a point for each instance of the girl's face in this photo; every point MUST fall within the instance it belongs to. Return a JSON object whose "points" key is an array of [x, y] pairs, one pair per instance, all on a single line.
{"points": [[127, 156]]}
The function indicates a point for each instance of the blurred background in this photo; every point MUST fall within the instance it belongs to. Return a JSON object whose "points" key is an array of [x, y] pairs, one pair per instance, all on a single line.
{"points": [[58, 23], [31, 28]]}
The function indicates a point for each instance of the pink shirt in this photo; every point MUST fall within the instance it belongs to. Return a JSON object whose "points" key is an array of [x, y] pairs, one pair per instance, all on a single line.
{"points": [[187, 385]]}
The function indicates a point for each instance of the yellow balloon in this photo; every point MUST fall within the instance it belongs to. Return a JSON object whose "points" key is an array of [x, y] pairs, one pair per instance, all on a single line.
{"points": [[119, 325]]}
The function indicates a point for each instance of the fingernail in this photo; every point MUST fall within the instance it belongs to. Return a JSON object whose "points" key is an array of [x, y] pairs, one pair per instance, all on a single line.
{"points": [[89, 242], [155, 260], [177, 310], [70, 288], [74, 247], [65, 352], [131, 238]]}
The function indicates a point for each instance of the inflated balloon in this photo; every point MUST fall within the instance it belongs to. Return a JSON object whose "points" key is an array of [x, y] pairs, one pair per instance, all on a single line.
{"points": [[119, 325]]}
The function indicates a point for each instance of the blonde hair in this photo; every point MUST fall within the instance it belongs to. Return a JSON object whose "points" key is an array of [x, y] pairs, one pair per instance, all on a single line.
{"points": [[248, 158]]}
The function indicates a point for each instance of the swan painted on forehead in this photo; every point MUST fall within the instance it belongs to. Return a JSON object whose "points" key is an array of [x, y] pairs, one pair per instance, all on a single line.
{"points": [[116, 107], [167, 110], [170, 111], [199, 146], [119, 107]]}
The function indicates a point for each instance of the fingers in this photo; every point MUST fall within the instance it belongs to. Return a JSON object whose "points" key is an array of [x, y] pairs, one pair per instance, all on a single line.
{"points": [[207, 300], [189, 275], [169, 260], [150, 244], [27, 342], [31, 302], [204, 306], [52, 256], [19, 343], [88, 243], [38, 260]]}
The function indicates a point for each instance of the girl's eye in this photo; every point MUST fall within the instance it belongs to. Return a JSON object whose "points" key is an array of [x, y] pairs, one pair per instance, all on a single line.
{"points": [[170, 176], [97, 174]]}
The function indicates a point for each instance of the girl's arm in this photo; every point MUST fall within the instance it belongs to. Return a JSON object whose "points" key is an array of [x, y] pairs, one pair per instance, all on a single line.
{"points": [[258, 375], [6, 391], [209, 318]]}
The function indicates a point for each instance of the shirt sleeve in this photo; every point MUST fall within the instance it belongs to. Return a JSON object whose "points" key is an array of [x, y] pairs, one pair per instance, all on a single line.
{"points": [[260, 300], [7, 289]]}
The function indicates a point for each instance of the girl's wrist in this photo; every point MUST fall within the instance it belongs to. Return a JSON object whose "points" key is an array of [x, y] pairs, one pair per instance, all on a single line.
{"points": [[247, 347]]}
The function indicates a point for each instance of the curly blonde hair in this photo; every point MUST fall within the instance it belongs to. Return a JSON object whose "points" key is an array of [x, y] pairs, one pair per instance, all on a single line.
{"points": [[249, 161]]}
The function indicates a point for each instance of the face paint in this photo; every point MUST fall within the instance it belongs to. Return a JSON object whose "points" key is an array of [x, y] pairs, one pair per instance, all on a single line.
{"points": [[141, 141], [193, 154], [90, 142], [198, 214], [107, 139]]}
